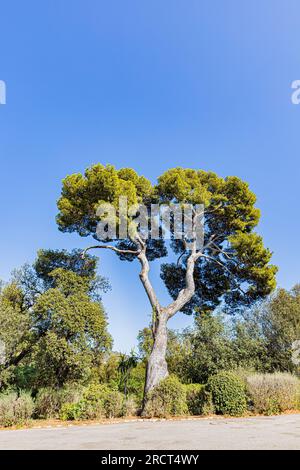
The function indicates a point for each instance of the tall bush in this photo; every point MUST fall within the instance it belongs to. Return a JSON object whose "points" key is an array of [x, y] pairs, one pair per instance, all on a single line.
{"points": [[228, 393], [273, 393], [166, 399], [49, 401], [14, 409]]}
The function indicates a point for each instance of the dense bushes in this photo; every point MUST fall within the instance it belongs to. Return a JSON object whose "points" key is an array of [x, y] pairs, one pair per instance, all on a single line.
{"points": [[49, 402], [194, 398], [98, 401], [228, 393], [167, 399], [14, 409], [272, 393]]}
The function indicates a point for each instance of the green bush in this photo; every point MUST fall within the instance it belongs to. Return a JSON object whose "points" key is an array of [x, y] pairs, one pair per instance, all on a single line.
{"points": [[227, 393], [114, 404], [90, 406], [14, 409], [194, 398], [273, 393], [167, 399], [98, 401], [130, 406], [71, 411], [49, 401]]}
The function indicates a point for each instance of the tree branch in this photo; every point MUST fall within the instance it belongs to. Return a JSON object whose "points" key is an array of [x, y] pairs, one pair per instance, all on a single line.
{"points": [[211, 258], [144, 276], [110, 247]]}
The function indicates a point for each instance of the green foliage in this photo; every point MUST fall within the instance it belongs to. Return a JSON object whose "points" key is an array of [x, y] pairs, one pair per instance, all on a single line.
{"points": [[264, 335], [210, 349], [231, 216], [280, 323], [228, 393], [126, 365], [273, 393], [48, 402], [114, 404], [52, 323], [81, 195], [136, 382], [49, 260], [167, 399], [90, 406], [241, 257], [73, 331], [98, 401], [15, 410], [194, 398], [130, 406]]}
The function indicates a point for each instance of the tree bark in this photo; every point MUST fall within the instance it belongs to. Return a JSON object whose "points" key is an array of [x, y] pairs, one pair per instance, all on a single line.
{"points": [[157, 368]]}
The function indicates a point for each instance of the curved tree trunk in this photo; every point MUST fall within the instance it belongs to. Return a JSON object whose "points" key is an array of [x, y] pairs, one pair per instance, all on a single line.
{"points": [[157, 368]]}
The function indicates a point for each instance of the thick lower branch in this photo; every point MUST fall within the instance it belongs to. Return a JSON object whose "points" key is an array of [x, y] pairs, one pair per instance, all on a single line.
{"points": [[144, 277]]}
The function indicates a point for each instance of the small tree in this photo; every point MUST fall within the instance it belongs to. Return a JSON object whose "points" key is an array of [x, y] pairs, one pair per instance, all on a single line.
{"points": [[52, 323], [126, 364], [232, 265], [72, 328]]}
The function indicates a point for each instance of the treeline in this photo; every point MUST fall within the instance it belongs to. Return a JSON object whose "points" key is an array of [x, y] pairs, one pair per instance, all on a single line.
{"points": [[57, 357]]}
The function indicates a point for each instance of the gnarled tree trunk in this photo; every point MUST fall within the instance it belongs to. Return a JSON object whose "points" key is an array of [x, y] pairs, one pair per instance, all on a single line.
{"points": [[157, 368]]}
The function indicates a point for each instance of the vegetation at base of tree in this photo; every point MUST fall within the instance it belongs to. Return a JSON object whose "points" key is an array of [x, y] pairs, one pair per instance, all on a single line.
{"points": [[166, 399]]}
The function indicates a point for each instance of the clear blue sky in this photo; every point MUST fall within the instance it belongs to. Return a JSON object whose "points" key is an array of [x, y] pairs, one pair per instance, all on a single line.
{"points": [[150, 85]]}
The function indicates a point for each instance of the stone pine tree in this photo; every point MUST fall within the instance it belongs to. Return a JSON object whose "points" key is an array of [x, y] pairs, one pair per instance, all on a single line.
{"points": [[232, 267]]}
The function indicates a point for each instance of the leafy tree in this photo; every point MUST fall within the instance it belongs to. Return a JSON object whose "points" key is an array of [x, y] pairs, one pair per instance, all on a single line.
{"points": [[210, 349], [232, 266], [15, 331], [72, 331], [36, 279], [276, 322], [248, 343], [52, 323]]}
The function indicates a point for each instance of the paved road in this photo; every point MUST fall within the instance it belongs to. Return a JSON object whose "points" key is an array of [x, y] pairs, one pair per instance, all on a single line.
{"points": [[276, 432]]}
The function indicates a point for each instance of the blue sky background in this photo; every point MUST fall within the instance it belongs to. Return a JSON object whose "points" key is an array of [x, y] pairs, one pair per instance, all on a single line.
{"points": [[149, 85]]}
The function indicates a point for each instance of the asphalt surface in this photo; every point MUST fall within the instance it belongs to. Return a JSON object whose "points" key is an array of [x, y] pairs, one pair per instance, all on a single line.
{"points": [[276, 432]]}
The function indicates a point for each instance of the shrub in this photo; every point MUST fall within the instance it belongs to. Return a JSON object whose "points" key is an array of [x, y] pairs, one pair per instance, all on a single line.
{"points": [[98, 401], [114, 404], [166, 399], [49, 401], [130, 407], [71, 411], [272, 393], [90, 406], [206, 405], [194, 398], [14, 409], [227, 393]]}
